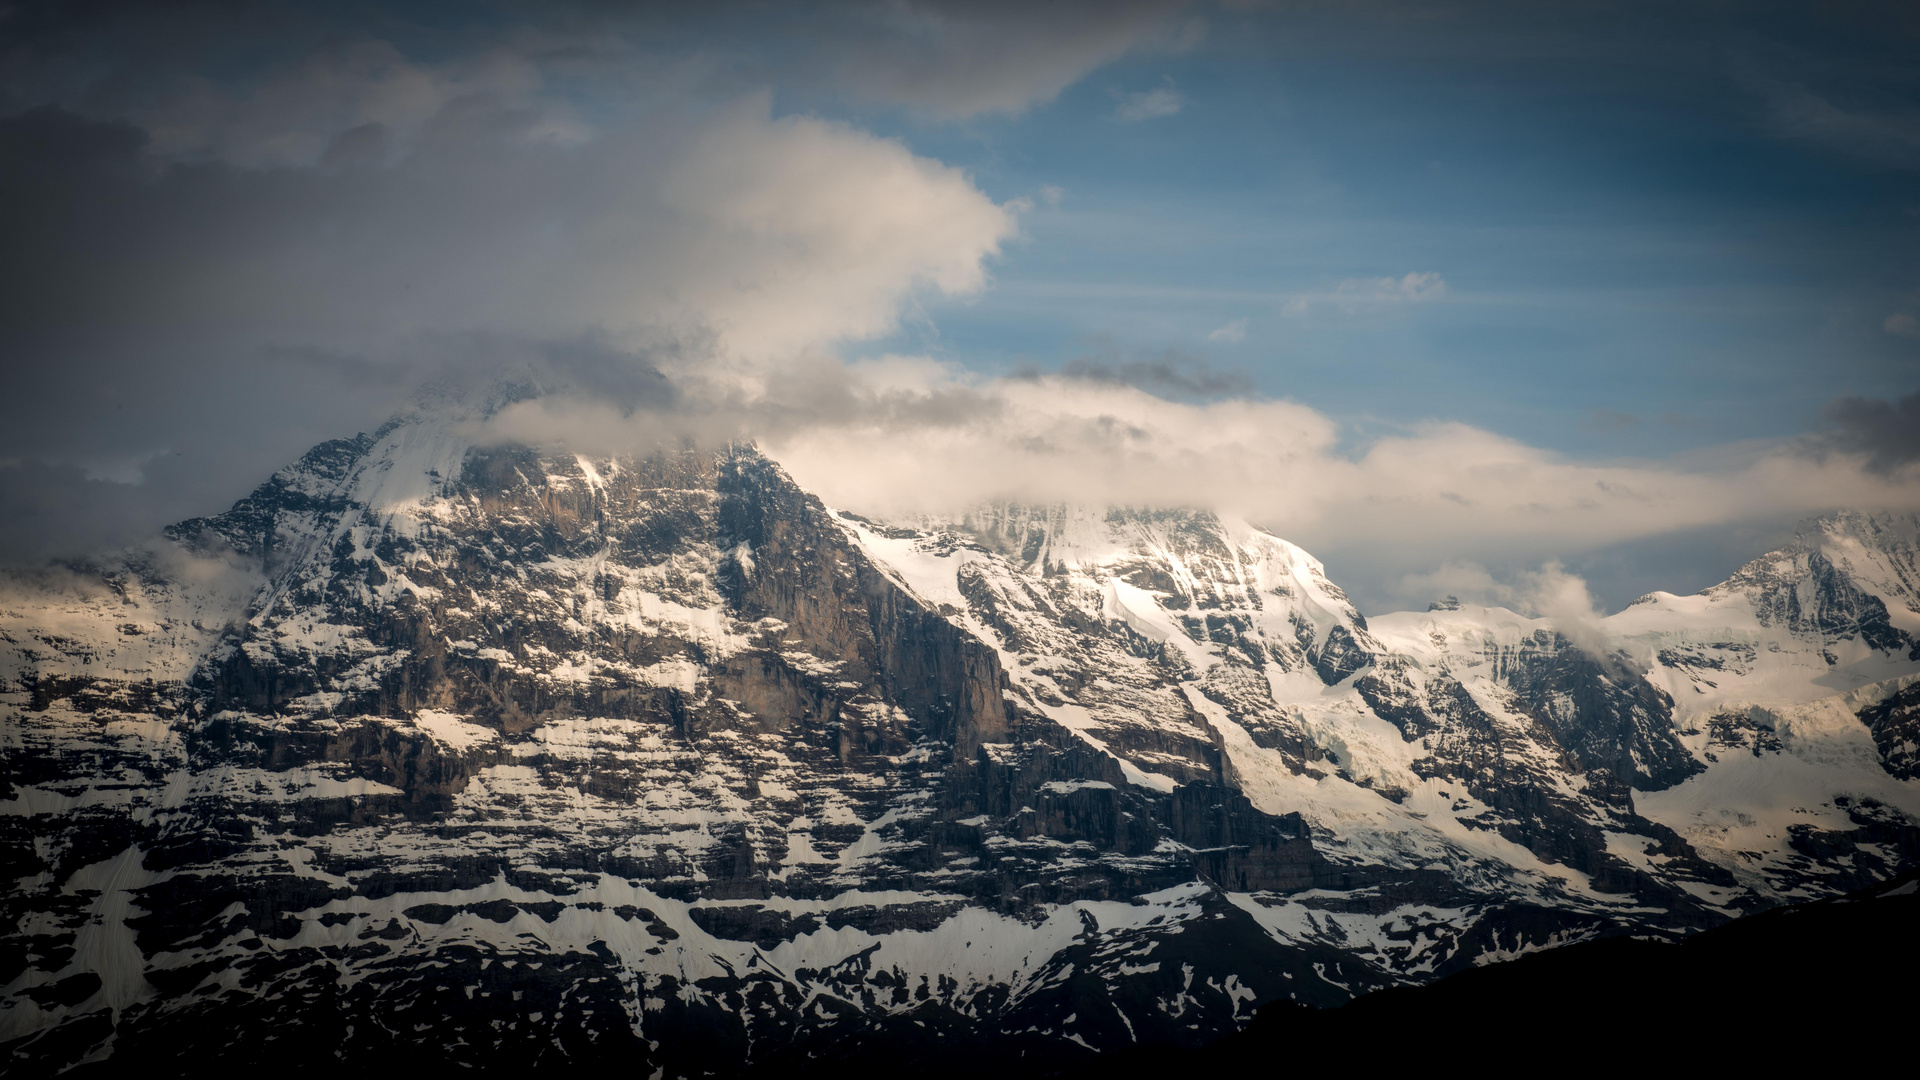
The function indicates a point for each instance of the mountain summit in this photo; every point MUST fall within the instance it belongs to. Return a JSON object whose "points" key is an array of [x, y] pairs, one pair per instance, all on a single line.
{"points": [[493, 755]]}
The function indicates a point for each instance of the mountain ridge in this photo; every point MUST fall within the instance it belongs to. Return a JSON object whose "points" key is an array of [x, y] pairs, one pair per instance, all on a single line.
{"points": [[738, 772], [1818, 966]]}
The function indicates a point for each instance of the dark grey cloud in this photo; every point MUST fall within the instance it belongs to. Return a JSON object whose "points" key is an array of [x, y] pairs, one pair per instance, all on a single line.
{"points": [[956, 58], [1886, 432], [294, 79], [201, 280], [55, 510], [192, 314], [1171, 374], [237, 229]]}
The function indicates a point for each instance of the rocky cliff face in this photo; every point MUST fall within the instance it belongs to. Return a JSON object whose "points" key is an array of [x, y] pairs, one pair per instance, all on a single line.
{"points": [[480, 754]]}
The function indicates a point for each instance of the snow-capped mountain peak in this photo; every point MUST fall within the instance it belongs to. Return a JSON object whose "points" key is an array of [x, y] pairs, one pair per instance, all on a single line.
{"points": [[503, 752]]}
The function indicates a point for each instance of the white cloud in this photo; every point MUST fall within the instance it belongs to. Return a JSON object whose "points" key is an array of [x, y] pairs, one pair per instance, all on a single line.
{"points": [[817, 232], [768, 236], [1415, 288], [1233, 333], [1563, 598], [1150, 104], [907, 436], [1353, 294], [1550, 592], [717, 245], [1414, 499]]}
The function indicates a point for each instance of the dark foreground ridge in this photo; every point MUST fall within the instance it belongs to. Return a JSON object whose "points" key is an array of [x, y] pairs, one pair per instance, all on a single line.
{"points": [[1827, 980]]}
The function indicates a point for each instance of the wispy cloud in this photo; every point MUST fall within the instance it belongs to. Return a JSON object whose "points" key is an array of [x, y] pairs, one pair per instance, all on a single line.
{"points": [[1891, 137], [1170, 374], [1152, 104], [1232, 334], [1354, 293]]}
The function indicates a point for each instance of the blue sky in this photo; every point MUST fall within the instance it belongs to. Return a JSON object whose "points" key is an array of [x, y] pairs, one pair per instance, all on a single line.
{"points": [[1638, 257]]}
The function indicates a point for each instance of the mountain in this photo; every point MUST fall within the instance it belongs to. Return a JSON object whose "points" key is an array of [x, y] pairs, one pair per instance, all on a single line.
{"points": [[441, 751]]}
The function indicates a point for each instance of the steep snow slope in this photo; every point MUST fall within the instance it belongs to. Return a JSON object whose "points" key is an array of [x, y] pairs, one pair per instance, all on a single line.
{"points": [[1177, 642], [1469, 738], [494, 755]]}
